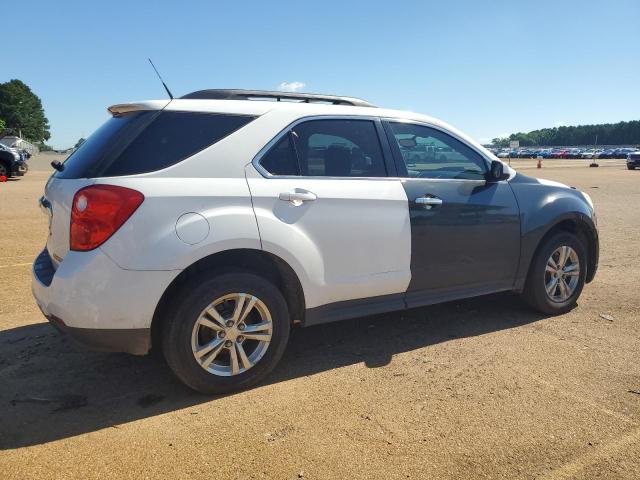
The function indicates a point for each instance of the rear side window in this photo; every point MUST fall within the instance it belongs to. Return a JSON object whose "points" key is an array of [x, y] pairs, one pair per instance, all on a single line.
{"points": [[281, 159], [147, 141], [328, 148]]}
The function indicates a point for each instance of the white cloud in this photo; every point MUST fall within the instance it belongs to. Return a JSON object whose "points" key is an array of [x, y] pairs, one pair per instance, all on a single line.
{"points": [[291, 86]]}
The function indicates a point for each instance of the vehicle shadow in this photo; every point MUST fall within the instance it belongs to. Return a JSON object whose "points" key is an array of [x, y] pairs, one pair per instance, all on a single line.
{"points": [[52, 389]]}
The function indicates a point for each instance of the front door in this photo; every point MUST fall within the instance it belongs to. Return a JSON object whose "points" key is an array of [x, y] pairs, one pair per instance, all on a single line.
{"points": [[465, 232]]}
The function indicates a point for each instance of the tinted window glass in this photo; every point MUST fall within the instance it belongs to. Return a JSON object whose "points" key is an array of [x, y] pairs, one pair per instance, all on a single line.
{"points": [[97, 147], [430, 153], [281, 159], [339, 148], [143, 142]]}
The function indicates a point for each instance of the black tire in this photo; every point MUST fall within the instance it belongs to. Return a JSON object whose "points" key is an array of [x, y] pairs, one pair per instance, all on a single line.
{"points": [[190, 303], [629, 167], [4, 169], [535, 293]]}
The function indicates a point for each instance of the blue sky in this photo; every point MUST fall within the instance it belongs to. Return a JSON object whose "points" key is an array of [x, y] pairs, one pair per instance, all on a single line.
{"points": [[489, 68]]}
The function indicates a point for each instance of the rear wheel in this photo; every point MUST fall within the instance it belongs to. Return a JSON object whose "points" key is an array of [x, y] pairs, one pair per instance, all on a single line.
{"points": [[630, 167], [557, 274], [226, 333]]}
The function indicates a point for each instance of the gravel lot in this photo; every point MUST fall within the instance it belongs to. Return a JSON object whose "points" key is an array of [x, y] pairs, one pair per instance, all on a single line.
{"points": [[482, 388]]}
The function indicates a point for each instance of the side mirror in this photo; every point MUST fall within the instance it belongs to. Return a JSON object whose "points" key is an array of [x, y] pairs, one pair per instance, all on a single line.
{"points": [[408, 142], [496, 172]]}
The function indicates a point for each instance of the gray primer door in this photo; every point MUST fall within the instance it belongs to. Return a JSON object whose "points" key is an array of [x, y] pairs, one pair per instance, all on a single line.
{"points": [[465, 232], [470, 242]]}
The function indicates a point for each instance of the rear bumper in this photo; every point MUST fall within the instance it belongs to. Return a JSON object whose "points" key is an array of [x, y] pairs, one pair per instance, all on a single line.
{"points": [[136, 341], [98, 303]]}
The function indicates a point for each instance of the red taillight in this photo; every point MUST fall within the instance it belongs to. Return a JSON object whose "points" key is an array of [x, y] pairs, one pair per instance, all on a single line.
{"points": [[98, 212]]}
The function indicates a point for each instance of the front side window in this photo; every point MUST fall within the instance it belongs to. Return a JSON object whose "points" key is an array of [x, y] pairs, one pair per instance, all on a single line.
{"points": [[328, 148], [430, 153]]}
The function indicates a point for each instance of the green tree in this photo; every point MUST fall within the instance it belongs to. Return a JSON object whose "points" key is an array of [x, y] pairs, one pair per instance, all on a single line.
{"points": [[3, 125], [621, 133], [500, 142], [22, 111]]}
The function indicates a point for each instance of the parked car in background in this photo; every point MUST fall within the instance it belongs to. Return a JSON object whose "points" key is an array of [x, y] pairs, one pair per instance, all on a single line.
{"points": [[623, 152], [574, 153], [222, 219], [545, 152], [619, 153], [633, 160], [12, 162], [560, 152]]}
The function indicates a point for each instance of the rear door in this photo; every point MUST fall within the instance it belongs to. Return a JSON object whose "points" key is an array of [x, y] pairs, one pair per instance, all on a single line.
{"points": [[465, 232], [325, 203]]}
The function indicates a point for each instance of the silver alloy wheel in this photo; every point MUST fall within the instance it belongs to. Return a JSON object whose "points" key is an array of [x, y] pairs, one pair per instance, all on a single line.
{"points": [[562, 274], [232, 334]]}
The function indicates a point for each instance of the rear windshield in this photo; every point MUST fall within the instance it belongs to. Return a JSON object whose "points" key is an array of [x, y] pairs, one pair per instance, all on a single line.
{"points": [[146, 141]]}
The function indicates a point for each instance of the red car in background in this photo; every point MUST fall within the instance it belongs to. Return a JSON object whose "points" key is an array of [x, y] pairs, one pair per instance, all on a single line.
{"points": [[560, 153]]}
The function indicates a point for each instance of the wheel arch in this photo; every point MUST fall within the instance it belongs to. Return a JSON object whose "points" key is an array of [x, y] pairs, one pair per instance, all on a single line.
{"points": [[577, 224], [259, 262]]}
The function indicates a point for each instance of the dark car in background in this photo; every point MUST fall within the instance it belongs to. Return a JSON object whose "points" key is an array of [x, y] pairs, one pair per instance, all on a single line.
{"points": [[606, 153], [574, 152], [12, 162], [633, 160], [623, 152]]}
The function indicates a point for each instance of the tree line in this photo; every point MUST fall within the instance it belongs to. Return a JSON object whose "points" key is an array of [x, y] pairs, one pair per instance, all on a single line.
{"points": [[21, 113], [621, 133]]}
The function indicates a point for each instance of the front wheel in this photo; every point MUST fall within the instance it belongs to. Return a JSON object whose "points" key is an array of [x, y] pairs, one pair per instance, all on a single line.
{"points": [[4, 170], [557, 275], [630, 167], [226, 332]]}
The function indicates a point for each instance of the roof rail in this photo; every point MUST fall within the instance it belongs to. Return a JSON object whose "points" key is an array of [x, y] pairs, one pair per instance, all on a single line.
{"points": [[234, 94]]}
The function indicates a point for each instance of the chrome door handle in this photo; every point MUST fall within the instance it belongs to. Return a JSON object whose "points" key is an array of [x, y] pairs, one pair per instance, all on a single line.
{"points": [[429, 202], [297, 197]]}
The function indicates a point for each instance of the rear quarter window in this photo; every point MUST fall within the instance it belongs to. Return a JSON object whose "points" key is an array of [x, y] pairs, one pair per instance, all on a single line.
{"points": [[142, 142]]}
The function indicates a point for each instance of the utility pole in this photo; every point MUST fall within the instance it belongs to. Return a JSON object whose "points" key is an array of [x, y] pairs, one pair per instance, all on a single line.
{"points": [[595, 147]]}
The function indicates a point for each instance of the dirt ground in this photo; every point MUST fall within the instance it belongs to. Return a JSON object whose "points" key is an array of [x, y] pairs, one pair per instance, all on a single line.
{"points": [[482, 388]]}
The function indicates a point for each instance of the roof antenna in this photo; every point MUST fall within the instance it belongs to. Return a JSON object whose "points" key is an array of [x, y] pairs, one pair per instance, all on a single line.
{"points": [[163, 84]]}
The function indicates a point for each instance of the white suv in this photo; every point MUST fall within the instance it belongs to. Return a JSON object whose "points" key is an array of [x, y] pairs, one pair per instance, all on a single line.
{"points": [[206, 226]]}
